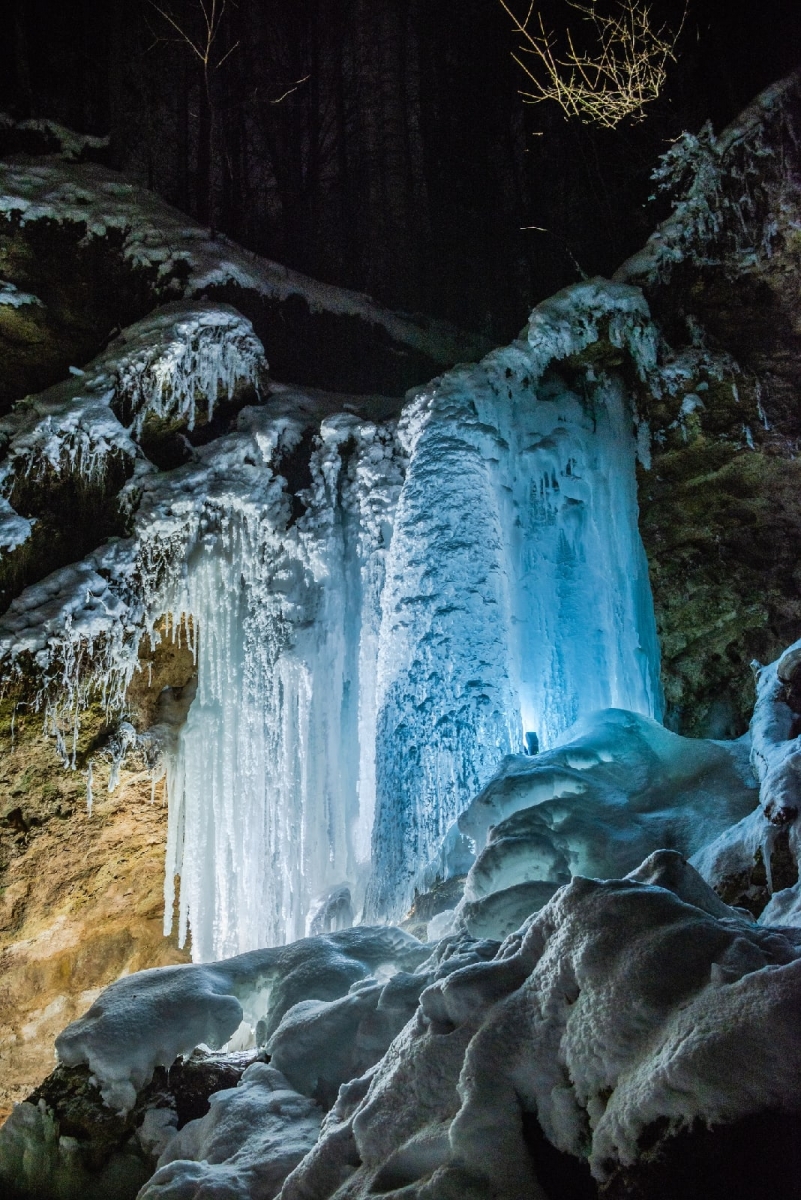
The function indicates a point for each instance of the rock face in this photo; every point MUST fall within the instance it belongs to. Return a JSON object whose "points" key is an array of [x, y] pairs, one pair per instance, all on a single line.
{"points": [[720, 516], [88, 254], [81, 901]]}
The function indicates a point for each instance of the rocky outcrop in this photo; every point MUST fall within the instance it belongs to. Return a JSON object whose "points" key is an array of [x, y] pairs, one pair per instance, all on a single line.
{"points": [[720, 516], [91, 253], [82, 894]]}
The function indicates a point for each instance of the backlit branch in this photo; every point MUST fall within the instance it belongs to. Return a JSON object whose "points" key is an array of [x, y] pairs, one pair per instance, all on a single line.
{"points": [[623, 72]]}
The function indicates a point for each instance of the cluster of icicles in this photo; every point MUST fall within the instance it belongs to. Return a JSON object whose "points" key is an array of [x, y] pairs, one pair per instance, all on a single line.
{"points": [[456, 580]]}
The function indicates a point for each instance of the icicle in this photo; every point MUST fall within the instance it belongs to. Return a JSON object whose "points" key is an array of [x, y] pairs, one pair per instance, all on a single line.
{"points": [[766, 846]]}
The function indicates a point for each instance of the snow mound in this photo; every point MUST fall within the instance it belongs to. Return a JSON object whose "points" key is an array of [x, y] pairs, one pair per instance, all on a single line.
{"points": [[767, 841], [245, 1146], [620, 1005], [148, 1019], [616, 787]]}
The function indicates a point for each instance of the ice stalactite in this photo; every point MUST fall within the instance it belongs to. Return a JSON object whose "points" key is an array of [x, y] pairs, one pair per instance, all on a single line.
{"points": [[264, 792], [517, 595]]}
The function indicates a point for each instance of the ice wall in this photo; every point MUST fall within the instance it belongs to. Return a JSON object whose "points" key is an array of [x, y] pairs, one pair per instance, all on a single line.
{"points": [[370, 641], [269, 803], [517, 594]]}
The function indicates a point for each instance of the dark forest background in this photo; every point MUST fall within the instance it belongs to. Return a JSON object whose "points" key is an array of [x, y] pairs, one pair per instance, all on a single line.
{"points": [[405, 164]]}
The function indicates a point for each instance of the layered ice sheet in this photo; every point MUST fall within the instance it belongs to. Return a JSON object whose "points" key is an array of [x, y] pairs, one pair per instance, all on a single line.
{"points": [[380, 611]]}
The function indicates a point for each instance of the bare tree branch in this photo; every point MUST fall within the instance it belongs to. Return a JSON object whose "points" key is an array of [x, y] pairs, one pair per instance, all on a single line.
{"points": [[625, 70]]}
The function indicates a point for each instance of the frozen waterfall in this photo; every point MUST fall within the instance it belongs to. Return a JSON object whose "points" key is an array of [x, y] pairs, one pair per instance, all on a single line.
{"points": [[456, 581], [269, 812]]}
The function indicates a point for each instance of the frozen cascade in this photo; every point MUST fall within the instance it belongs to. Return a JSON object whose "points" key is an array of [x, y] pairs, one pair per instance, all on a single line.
{"points": [[266, 812], [455, 580], [517, 594]]}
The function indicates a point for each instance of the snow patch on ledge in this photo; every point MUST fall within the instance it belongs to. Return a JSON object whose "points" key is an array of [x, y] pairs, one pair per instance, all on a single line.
{"points": [[12, 297], [186, 260], [147, 1019], [162, 366]]}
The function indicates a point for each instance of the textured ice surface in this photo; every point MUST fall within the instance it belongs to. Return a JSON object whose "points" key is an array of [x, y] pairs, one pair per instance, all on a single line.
{"points": [[621, 1004], [617, 787], [517, 595], [147, 1019], [245, 1146], [369, 649]]}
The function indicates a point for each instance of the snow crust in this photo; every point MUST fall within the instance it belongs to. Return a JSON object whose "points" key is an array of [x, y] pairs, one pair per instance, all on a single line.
{"points": [[60, 140], [146, 1020], [245, 1146], [12, 297], [182, 258], [619, 1004], [616, 786]]}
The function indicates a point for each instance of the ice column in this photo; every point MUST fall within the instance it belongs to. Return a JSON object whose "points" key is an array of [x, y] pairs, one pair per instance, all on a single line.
{"points": [[517, 595]]}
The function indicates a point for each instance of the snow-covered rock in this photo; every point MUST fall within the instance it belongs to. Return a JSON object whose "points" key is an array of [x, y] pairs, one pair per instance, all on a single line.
{"points": [[622, 1006], [154, 254], [150, 1018], [245, 1146]]}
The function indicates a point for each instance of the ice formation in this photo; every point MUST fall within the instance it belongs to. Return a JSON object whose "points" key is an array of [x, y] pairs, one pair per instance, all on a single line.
{"points": [[719, 192], [245, 1146], [616, 786], [623, 1006], [371, 647], [517, 594]]}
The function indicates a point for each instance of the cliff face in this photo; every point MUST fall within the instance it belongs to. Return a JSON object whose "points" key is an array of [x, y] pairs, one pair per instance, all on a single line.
{"points": [[81, 900], [720, 514]]}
